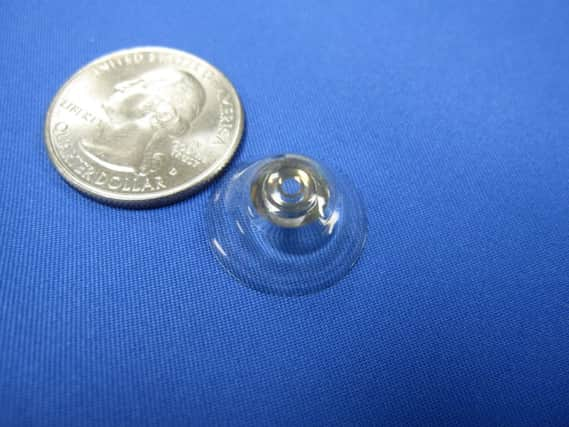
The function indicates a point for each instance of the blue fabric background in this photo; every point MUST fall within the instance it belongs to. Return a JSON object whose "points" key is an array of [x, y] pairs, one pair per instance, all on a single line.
{"points": [[453, 120]]}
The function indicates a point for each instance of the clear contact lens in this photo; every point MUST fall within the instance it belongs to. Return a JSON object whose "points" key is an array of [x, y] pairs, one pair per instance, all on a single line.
{"points": [[286, 225]]}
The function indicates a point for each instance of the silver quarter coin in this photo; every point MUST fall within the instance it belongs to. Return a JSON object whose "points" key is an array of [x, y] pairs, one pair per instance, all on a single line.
{"points": [[144, 126]]}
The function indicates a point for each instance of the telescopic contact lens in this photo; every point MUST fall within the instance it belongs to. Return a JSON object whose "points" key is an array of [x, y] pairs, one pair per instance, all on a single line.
{"points": [[286, 225]]}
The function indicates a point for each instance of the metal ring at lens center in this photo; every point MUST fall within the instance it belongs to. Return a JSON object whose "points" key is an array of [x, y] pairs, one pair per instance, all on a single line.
{"points": [[284, 208]]}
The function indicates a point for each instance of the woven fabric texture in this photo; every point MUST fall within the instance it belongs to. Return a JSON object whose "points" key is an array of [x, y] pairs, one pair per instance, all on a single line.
{"points": [[452, 118]]}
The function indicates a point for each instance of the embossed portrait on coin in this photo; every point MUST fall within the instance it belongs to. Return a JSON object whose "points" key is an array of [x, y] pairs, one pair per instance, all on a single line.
{"points": [[145, 116]]}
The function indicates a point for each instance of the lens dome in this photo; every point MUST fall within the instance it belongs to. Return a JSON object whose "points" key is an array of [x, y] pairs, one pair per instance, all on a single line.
{"points": [[286, 225]]}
